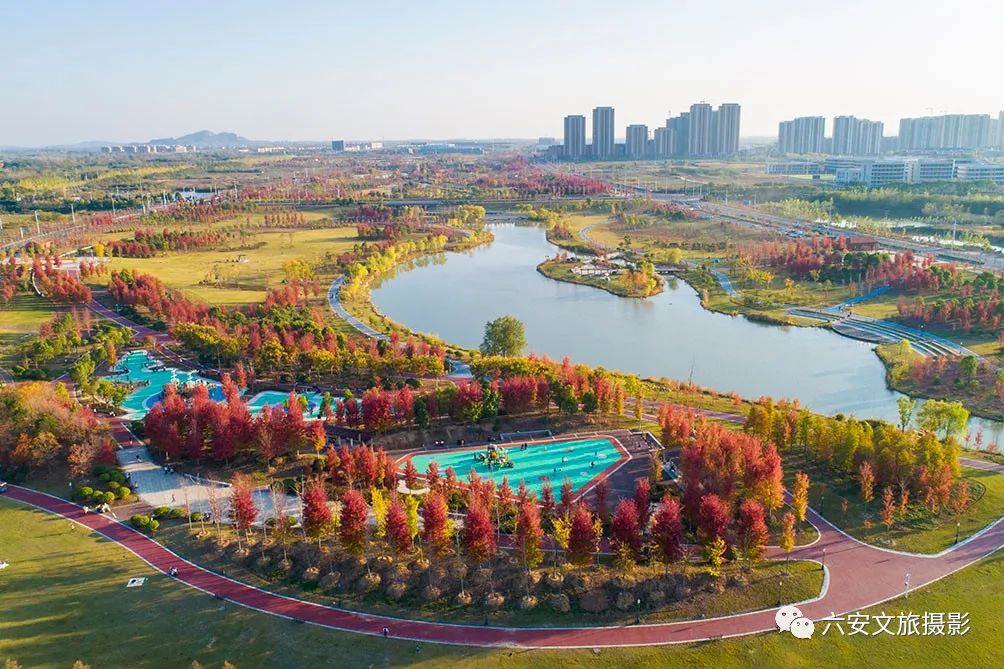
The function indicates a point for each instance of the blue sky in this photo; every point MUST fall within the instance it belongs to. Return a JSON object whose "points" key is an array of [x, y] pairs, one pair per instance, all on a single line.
{"points": [[128, 71]]}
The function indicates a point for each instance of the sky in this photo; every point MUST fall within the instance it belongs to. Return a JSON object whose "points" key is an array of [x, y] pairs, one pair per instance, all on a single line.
{"points": [[296, 70]]}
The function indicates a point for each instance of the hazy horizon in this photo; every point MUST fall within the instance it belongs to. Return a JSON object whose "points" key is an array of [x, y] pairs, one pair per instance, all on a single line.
{"points": [[114, 71]]}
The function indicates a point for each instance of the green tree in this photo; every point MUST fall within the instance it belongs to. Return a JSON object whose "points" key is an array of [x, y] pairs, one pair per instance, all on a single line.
{"points": [[714, 553], [949, 418], [968, 367], [82, 370], [422, 413], [504, 336], [906, 406]]}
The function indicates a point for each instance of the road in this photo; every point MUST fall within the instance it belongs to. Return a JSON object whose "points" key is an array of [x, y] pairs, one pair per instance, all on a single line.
{"points": [[746, 216], [856, 576]]}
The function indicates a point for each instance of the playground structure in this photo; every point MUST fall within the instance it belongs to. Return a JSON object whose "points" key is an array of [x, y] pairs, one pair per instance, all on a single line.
{"points": [[495, 456]]}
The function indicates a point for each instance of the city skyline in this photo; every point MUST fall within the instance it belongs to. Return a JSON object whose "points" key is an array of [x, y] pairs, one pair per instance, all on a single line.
{"points": [[140, 72], [701, 132]]}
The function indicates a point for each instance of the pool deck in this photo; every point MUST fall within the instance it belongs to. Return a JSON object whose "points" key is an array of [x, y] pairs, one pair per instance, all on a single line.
{"points": [[621, 474]]}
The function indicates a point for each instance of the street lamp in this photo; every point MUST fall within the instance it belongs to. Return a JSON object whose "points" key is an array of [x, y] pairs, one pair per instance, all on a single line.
{"points": [[779, 582], [823, 566], [906, 585], [637, 618], [958, 526]]}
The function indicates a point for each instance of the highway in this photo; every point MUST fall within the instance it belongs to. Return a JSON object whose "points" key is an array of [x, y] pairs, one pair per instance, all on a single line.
{"points": [[747, 216]]}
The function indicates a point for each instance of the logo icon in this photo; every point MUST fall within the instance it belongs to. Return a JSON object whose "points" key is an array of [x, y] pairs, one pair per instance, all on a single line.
{"points": [[790, 619], [785, 615], [802, 628]]}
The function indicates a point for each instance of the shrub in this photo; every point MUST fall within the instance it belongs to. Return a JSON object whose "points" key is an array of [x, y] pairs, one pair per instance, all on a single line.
{"points": [[196, 516], [140, 522], [144, 523], [289, 484], [85, 492], [161, 511], [114, 485], [177, 513], [105, 476], [98, 497], [118, 477], [123, 492], [109, 497]]}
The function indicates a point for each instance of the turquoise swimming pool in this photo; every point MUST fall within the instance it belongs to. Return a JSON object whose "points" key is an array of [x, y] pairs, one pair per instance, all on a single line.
{"points": [[580, 460], [278, 397], [140, 366]]}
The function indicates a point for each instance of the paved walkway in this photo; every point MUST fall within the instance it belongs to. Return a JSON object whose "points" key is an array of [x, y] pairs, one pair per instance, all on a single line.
{"points": [[724, 282], [982, 464], [458, 369], [141, 331], [337, 307], [850, 302], [856, 576], [157, 487]]}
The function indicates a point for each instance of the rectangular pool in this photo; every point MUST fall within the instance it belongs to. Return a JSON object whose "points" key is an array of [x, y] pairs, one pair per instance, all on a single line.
{"points": [[580, 460]]}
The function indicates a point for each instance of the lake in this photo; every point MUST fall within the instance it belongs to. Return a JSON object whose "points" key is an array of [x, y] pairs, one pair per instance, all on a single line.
{"points": [[668, 335]]}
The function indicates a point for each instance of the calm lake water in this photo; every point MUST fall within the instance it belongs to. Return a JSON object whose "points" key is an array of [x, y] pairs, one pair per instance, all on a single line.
{"points": [[670, 334]]}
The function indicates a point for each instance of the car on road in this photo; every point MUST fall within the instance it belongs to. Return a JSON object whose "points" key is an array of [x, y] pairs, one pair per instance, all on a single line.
{"points": [[3, 487]]}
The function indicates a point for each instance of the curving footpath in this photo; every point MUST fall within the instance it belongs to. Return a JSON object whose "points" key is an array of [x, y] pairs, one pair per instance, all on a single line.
{"points": [[143, 331], [856, 576], [458, 368]]}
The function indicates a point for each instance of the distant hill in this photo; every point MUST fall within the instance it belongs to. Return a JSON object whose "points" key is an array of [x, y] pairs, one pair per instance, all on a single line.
{"points": [[206, 139]]}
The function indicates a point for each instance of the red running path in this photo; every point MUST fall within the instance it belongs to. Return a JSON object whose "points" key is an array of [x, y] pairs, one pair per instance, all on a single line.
{"points": [[857, 576]]}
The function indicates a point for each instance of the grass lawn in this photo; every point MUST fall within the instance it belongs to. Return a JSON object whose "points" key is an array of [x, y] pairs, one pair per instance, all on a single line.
{"points": [[917, 532], [20, 318], [64, 598], [241, 282], [575, 221], [602, 234], [22, 315]]}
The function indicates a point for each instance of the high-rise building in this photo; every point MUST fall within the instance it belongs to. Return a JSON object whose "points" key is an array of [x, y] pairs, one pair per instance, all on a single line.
{"points": [[870, 137], [725, 130], [949, 131], [681, 128], [575, 137], [603, 132], [636, 141], [805, 134], [665, 140], [856, 136], [338, 145], [702, 132], [699, 130]]}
